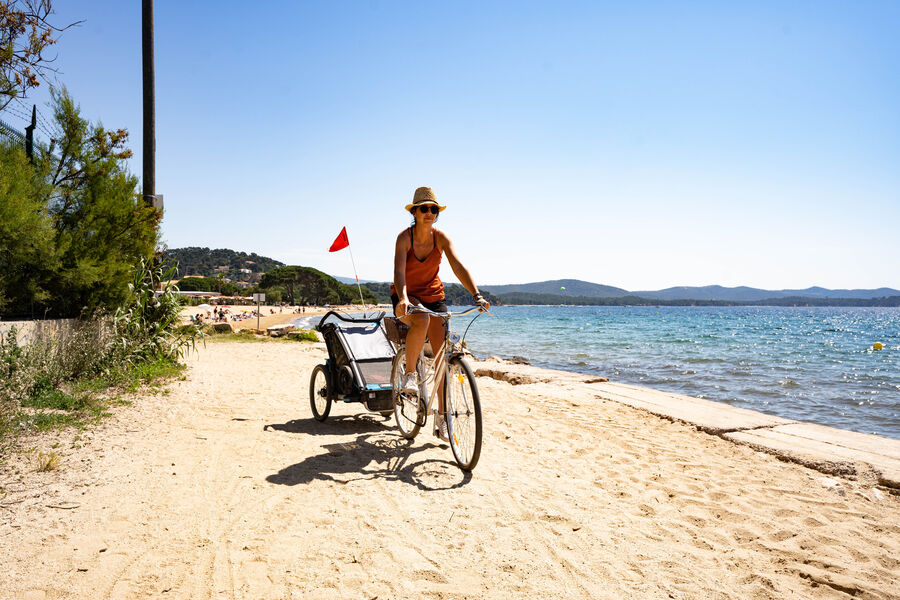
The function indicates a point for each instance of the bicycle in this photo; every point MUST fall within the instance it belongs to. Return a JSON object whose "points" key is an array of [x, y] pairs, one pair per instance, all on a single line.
{"points": [[462, 405]]}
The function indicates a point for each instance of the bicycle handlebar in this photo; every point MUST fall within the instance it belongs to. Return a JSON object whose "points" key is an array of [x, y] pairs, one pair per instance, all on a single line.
{"points": [[416, 308]]}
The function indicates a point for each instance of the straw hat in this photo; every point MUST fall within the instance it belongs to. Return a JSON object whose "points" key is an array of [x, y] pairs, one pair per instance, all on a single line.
{"points": [[423, 195]]}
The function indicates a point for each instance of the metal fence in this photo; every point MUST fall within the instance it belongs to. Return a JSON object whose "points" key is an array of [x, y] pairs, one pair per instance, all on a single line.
{"points": [[11, 132]]}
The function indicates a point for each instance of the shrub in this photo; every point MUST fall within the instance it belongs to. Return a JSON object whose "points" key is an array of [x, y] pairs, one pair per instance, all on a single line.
{"points": [[147, 324], [306, 335], [141, 342]]}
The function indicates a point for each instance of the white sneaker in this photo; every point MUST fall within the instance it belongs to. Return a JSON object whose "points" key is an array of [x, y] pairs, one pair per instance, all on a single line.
{"points": [[409, 384], [440, 429]]}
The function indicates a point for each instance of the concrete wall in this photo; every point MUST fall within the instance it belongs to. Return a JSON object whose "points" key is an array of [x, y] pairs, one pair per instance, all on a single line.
{"points": [[28, 332]]}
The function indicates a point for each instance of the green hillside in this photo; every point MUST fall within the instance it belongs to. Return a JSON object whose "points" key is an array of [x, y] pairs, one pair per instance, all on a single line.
{"points": [[573, 288], [205, 262]]}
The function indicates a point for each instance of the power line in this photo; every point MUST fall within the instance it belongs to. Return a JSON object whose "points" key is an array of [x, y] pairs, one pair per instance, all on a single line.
{"points": [[25, 117], [44, 130], [42, 123], [17, 113]]}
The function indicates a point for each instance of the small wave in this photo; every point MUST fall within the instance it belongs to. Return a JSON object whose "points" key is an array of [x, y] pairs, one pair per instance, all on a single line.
{"points": [[750, 392], [789, 383], [734, 373], [689, 372], [657, 381]]}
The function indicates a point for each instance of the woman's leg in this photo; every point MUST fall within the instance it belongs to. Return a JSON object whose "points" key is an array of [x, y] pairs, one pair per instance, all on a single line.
{"points": [[415, 338], [436, 337]]}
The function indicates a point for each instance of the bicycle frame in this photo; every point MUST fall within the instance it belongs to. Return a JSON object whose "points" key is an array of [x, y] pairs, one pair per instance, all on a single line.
{"points": [[441, 356]]}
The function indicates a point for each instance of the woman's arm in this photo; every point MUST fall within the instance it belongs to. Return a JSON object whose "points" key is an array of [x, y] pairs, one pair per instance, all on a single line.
{"points": [[461, 272], [401, 248]]}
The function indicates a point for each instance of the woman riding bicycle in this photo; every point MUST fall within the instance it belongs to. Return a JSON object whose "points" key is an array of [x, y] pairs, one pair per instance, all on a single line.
{"points": [[417, 259]]}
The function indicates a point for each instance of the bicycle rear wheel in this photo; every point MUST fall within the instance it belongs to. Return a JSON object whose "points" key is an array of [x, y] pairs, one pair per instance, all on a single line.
{"points": [[409, 409], [463, 414]]}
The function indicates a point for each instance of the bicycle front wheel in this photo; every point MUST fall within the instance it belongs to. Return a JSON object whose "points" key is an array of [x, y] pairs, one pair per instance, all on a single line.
{"points": [[463, 414], [409, 409]]}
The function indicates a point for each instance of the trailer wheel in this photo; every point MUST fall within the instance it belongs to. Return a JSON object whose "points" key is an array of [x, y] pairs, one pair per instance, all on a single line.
{"points": [[320, 393]]}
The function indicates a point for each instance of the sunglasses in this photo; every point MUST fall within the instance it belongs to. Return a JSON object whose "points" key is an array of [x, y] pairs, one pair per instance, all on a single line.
{"points": [[434, 209]]}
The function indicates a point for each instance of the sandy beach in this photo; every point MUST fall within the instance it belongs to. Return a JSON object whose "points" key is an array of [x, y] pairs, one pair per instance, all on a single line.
{"points": [[271, 315], [225, 487]]}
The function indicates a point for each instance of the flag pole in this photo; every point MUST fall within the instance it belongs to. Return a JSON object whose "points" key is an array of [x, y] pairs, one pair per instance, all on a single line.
{"points": [[362, 301], [343, 241]]}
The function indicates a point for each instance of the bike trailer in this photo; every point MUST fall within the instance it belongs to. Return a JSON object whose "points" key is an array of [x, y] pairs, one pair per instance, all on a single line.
{"points": [[359, 360]]}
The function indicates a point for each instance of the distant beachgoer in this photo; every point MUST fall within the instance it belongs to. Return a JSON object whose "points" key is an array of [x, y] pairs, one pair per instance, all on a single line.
{"points": [[416, 282]]}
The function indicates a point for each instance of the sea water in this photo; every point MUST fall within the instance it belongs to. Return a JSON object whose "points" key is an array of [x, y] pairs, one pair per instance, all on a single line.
{"points": [[808, 364]]}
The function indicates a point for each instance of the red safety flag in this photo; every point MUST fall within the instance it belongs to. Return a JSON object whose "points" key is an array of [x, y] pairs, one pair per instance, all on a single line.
{"points": [[340, 242]]}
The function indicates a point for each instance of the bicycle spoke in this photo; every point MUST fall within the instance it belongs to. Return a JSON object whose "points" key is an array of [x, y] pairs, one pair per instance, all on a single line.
{"points": [[464, 415], [407, 410]]}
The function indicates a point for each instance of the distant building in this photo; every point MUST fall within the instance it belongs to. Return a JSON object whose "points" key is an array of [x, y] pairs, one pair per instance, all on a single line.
{"points": [[193, 294]]}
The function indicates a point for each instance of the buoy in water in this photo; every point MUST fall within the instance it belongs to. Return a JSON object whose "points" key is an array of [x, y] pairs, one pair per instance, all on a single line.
{"points": [[877, 345]]}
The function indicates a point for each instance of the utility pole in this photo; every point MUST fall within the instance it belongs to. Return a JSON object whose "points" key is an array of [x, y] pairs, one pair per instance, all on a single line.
{"points": [[149, 179]]}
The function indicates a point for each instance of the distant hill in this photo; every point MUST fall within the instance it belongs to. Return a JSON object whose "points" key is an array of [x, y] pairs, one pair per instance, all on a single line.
{"points": [[711, 292], [574, 287], [748, 294], [205, 262], [817, 292], [352, 280], [583, 292]]}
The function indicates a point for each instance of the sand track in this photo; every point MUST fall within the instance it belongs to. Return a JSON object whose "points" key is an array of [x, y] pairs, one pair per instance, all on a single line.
{"points": [[227, 488]]}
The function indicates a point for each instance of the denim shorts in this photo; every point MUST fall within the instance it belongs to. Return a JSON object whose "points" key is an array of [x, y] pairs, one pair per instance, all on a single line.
{"points": [[438, 306]]}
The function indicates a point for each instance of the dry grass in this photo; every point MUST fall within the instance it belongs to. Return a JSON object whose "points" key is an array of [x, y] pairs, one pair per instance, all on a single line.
{"points": [[48, 462]]}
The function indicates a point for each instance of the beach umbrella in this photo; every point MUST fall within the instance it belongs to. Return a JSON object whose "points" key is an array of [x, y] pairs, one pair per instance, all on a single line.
{"points": [[204, 307]]}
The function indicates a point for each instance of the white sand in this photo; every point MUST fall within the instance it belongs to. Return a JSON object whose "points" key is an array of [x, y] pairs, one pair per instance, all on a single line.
{"points": [[227, 488]]}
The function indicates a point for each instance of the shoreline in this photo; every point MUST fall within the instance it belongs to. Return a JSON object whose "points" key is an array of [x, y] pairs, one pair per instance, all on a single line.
{"points": [[538, 364], [830, 450], [284, 318]]}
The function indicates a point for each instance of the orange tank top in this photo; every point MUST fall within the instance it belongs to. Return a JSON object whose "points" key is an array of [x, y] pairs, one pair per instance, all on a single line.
{"points": [[422, 279]]}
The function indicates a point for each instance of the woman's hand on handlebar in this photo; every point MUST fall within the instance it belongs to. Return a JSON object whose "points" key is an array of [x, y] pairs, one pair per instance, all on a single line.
{"points": [[402, 307], [482, 304]]}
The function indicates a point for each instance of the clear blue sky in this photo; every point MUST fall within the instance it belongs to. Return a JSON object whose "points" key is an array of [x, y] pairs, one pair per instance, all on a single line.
{"points": [[635, 144]]}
